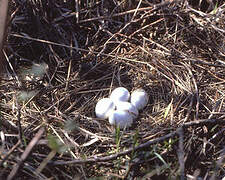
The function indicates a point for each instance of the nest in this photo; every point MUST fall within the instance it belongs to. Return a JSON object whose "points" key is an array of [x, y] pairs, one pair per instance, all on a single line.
{"points": [[63, 56]]}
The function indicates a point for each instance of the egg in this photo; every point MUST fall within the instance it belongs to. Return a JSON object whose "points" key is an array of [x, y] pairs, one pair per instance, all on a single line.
{"points": [[121, 118], [120, 94], [104, 108], [127, 106], [139, 98]]}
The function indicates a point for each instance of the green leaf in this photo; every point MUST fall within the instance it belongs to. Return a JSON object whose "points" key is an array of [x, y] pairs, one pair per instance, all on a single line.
{"points": [[135, 138], [26, 95], [167, 110], [160, 157], [70, 126], [35, 72], [215, 9], [55, 144], [117, 135]]}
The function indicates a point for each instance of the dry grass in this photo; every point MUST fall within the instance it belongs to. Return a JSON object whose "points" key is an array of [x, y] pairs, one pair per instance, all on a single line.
{"points": [[175, 50]]}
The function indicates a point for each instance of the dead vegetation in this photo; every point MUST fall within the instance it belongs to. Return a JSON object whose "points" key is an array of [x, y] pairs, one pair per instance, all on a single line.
{"points": [[174, 49]]}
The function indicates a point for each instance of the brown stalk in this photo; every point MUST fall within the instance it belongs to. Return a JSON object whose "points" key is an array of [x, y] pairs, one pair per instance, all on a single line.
{"points": [[3, 19], [178, 131], [25, 154]]}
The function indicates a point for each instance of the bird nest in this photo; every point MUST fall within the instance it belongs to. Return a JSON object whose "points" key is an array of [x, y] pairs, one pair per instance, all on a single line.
{"points": [[63, 56]]}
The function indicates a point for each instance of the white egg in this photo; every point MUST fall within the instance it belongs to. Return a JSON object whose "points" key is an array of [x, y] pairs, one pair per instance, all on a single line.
{"points": [[121, 118], [120, 94], [104, 108], [127, 106], [139, 98]]}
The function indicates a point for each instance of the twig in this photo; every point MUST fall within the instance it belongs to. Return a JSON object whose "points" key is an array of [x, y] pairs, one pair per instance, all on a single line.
{"points": [[141, 146], [19, 121], [3, 19], [25, 154], [9, 152], [151, 8], [181, 152], [45, 162], [94, 52], [102, 17]]}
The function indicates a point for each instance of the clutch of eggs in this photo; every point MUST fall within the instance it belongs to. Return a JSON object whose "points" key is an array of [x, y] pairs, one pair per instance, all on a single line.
{"points": [[104, 108], [117, 108], [139, 98], [120, 94], [120, 118]]}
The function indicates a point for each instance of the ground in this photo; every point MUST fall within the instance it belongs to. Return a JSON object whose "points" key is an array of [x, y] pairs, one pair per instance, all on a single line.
{"points": [[63, 56]]}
